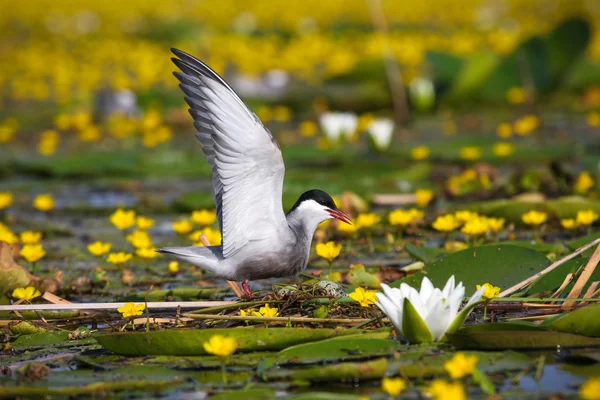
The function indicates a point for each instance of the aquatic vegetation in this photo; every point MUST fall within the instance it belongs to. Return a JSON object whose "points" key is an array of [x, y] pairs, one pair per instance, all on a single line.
{"points": [[99, 248], [364, 297], [461, 365], [393, 386], [29, 293], [131, 310], [123, 219], [43, 202], [32, 252], [329, 251]]}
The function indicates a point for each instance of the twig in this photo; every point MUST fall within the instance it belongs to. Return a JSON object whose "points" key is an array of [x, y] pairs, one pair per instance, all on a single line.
{"points": [[111, 306], [552, 267], [277, 319], [562, 287], [592, 291], [583, 278], [235, 305]]}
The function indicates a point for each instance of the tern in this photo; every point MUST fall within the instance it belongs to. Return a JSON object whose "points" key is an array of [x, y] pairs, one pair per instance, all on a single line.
{"points": [[259, 240]]}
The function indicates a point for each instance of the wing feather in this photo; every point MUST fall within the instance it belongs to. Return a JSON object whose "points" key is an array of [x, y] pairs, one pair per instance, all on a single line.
{"points": [[245, 158]]}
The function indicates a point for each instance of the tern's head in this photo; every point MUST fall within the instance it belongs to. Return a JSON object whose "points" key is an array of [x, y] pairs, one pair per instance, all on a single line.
{"points": [[316, 206]]}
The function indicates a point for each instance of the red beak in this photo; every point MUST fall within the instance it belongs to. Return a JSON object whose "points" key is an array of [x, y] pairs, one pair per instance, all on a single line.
{"points": [[340, 215]]}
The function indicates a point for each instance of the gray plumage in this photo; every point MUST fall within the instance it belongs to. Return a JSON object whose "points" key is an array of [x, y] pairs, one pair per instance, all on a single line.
{"points": [[258, 240]]}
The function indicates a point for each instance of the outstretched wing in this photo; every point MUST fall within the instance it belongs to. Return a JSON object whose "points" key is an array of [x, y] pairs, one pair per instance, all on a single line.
{"points": [[246, 161]]}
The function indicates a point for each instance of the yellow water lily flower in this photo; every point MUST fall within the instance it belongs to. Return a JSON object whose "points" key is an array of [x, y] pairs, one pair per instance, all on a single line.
{"points": [[503, 149], [424, 197], [364, 297], [367, 220], [568, 223], [590, 390], [496, 224], [504, 130], [403, 217], [221, 346], [439, 389], [419, 153], [44, 202], [516, 95], [586, 217], [8, 237], [329, 250], [213, 236], [476, 227], [593, 119], [534, 218], [131, 310], [393, 386], [308, 128], [32, 252], [147, 253], [30, 237], [445, 223], [460, 365], [6, 200], [490, 291], [584, 182], [144, 223], [182, 227], [266, 311], [99, 248], [123, 219], [346, 228], [139, 239], [204, 217], [470, 153], [173, 267], [29, 293], [119, 258]]}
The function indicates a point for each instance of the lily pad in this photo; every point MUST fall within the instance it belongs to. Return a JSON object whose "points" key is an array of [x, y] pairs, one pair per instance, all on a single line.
{"points": [[190, 341], [583, 321], [502, 265]]}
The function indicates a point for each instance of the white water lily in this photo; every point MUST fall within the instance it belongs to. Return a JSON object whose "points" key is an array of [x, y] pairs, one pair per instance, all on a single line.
{"points": [[429, 314], [336, 124], [380, 131]]}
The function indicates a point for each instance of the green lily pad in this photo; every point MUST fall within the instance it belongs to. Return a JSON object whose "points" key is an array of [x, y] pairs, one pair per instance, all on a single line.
{"points": [[502, 265], [553, 279], [190, 341], [373, 369], [174, 294], [583, 321]]}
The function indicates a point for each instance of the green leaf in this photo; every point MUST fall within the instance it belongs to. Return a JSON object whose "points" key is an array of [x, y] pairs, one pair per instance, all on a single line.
{"points": [[566, 44], [583, 321], [501, 265], [473, 74], [425, 254], [553, 279], [518, 340], [484, 382], [461, 317], [414, 328], [190, 341]]}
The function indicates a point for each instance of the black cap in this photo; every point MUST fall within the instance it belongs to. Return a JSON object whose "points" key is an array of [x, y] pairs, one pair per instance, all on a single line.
{"points": [[317, 195]]}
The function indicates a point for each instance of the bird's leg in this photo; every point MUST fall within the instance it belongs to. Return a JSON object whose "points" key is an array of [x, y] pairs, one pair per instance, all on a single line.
{"points": [[246, 289]]}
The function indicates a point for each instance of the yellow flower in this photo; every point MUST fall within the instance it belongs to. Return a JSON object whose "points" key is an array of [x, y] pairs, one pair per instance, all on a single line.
{"points": [[221, 346], [424, 197], [367, 220], [182, 227], [346, 228], [139, 239], [590, 390], [308, 128], [90, 133], [8, 237], [445, 223], [568, 223], [516, 95], [503, 149], [393, 386], [419, 153], [282, 114], [213, 236], [593, 119], [173, 267], [490, 291], [29, 293], [465, 215], [266, 311], [6, 199], [62, 121], [364, 297], [405, 217], [496, 224], [131, 310], [48, 142], [329, 250], [30, 237], [439, 389], [99, 248], [144, 223], [32, 252], [204, 217], [504, 130], [586, 217], [460, 365], [584, 182], [534, 218], [470, 153], [527, 124], [44, 202], [476, 227], [123, 219], [119, 258], [146, 253]]}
